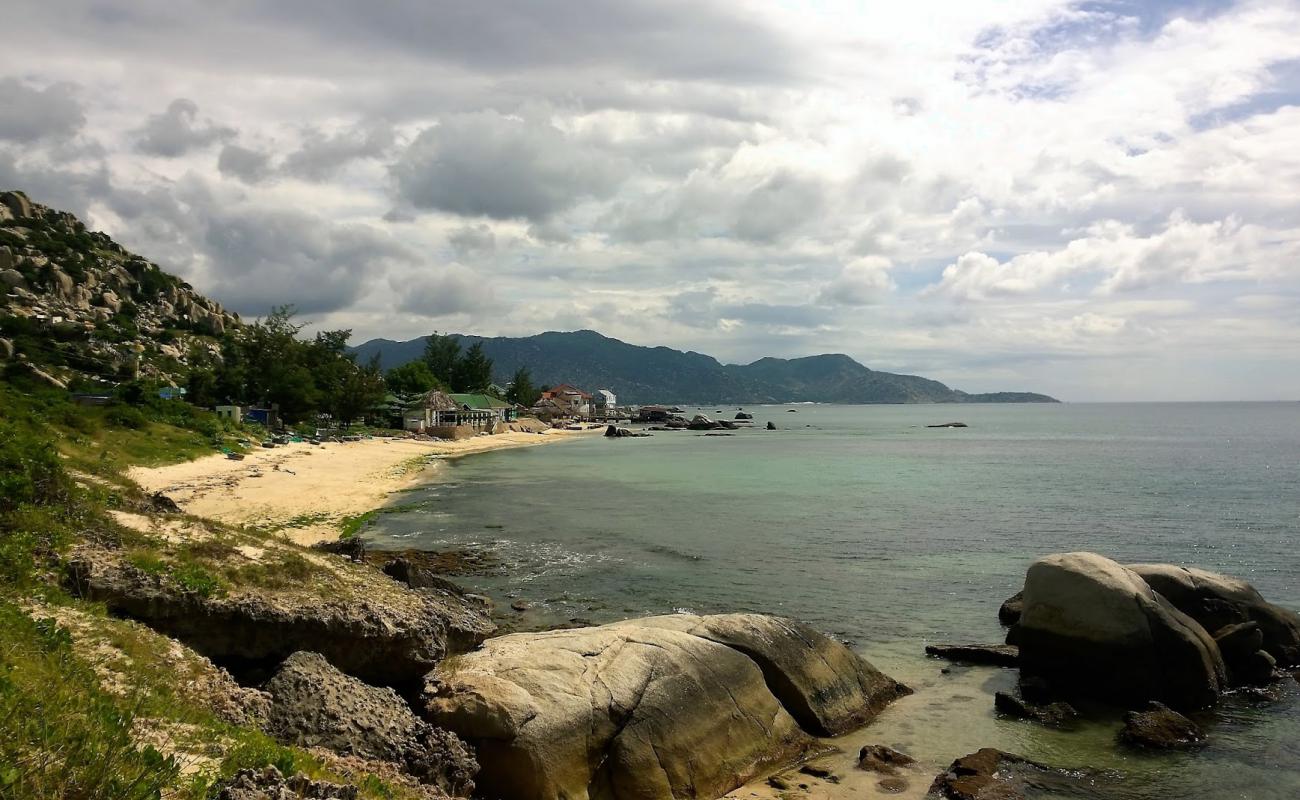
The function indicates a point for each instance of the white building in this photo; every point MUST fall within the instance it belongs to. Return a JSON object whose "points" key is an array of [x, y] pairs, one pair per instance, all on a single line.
{"points": [[604, 400]]}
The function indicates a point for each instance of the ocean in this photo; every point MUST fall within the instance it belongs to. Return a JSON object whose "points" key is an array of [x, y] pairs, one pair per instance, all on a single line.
{"points": [[889, 534]]}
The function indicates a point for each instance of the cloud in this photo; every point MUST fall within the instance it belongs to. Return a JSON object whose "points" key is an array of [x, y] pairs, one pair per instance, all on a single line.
{"points": [[493, 165], [1114, 258], [444, 291], [249, 166], [260, 258], [28, 114], [177, 131], [322, 155], [862, 282]]}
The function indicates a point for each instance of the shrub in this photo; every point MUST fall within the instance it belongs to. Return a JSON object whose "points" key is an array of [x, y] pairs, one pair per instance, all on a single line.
{"points": [[30, 470], [61, 734], [124, 416]]}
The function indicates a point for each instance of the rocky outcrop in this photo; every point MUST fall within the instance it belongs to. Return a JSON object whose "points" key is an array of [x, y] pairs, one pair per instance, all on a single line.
{"points": [[107, 306], [1160, 728], [1217, 601], [662, 707], [365, 624], [270, 784], [1092, 627], [995, 655], [6, 349], [315, 705]]}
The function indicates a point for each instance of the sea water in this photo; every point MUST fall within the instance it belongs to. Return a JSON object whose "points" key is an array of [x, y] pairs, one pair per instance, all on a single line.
{"points": [[889, 534]]}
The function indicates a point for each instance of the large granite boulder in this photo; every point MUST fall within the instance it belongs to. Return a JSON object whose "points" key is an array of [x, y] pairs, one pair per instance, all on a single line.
{"points": [[315, 705], [1092, 627], [1217, 601], [678, 706], [824, 685], [366, 624]]}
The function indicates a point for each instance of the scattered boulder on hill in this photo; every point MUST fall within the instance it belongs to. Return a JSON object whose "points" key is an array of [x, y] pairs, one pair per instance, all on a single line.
{"points": [[654, 708], [1217, 601], [6, 349], [366, 625], [1160, 727], [315, 705], [1092, 627]]}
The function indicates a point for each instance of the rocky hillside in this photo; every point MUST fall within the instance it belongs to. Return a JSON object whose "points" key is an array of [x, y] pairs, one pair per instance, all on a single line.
{"points": [[660, 374], [79, 306]]}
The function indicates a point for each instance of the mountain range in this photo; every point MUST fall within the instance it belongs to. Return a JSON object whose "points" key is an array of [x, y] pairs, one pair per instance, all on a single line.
{"points": [[660, 374]]}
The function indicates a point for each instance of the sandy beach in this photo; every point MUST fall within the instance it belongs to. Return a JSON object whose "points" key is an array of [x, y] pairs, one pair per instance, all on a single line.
{"points": [[304, 492]]}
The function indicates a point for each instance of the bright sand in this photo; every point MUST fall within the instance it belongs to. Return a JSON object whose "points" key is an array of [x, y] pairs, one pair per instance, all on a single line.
{"points": [[304, 491]]}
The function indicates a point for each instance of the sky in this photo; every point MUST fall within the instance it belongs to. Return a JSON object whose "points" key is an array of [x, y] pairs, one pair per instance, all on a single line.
{"points": [[1097, 200]]}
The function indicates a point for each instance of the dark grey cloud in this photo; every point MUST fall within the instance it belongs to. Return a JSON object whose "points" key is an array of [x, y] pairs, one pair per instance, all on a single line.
{"points": [[781, 204], [249, 166], [322, 155], [444, 291], [492, 165], [473, 241], [178, 130], [261, 258], [28, 114]]}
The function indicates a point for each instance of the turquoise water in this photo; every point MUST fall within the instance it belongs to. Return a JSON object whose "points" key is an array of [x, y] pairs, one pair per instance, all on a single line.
{"points": [[889, 535]]}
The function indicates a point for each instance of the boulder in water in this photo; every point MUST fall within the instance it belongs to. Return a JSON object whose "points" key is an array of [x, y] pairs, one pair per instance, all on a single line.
{"points": [[1160, 728], [1092, 627], [885, 760], [1011, 609], [1216, 601]]}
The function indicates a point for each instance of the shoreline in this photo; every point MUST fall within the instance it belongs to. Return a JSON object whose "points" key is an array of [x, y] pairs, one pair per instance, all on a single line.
{"points": [[305, 492]]}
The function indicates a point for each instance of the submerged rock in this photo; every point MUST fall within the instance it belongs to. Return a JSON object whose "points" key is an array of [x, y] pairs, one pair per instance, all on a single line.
{"points": [[315, 705], [1160, 728], [997, 655], [365, 624], [1216, 601], [1092, 627], [885, 760], [990, 774], [662, 707], [1055, 714]]}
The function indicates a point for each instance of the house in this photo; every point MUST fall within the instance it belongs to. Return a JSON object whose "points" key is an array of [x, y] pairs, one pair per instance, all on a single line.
{"points": [[433, 409], [570, 400], [483, 410], [229, 413], [604, 402]]}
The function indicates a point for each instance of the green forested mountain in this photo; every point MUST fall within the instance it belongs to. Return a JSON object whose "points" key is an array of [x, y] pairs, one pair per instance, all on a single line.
{"points": [[660, 374]]}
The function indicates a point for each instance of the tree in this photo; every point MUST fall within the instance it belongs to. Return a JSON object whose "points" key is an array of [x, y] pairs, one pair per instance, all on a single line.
{"points": [[411, 378], [441, 353], [521, 389], [362, 390], [472, 371]]}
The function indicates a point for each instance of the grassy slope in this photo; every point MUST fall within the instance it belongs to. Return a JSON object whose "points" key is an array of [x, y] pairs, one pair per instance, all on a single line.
{"points": [[104, 708]]}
